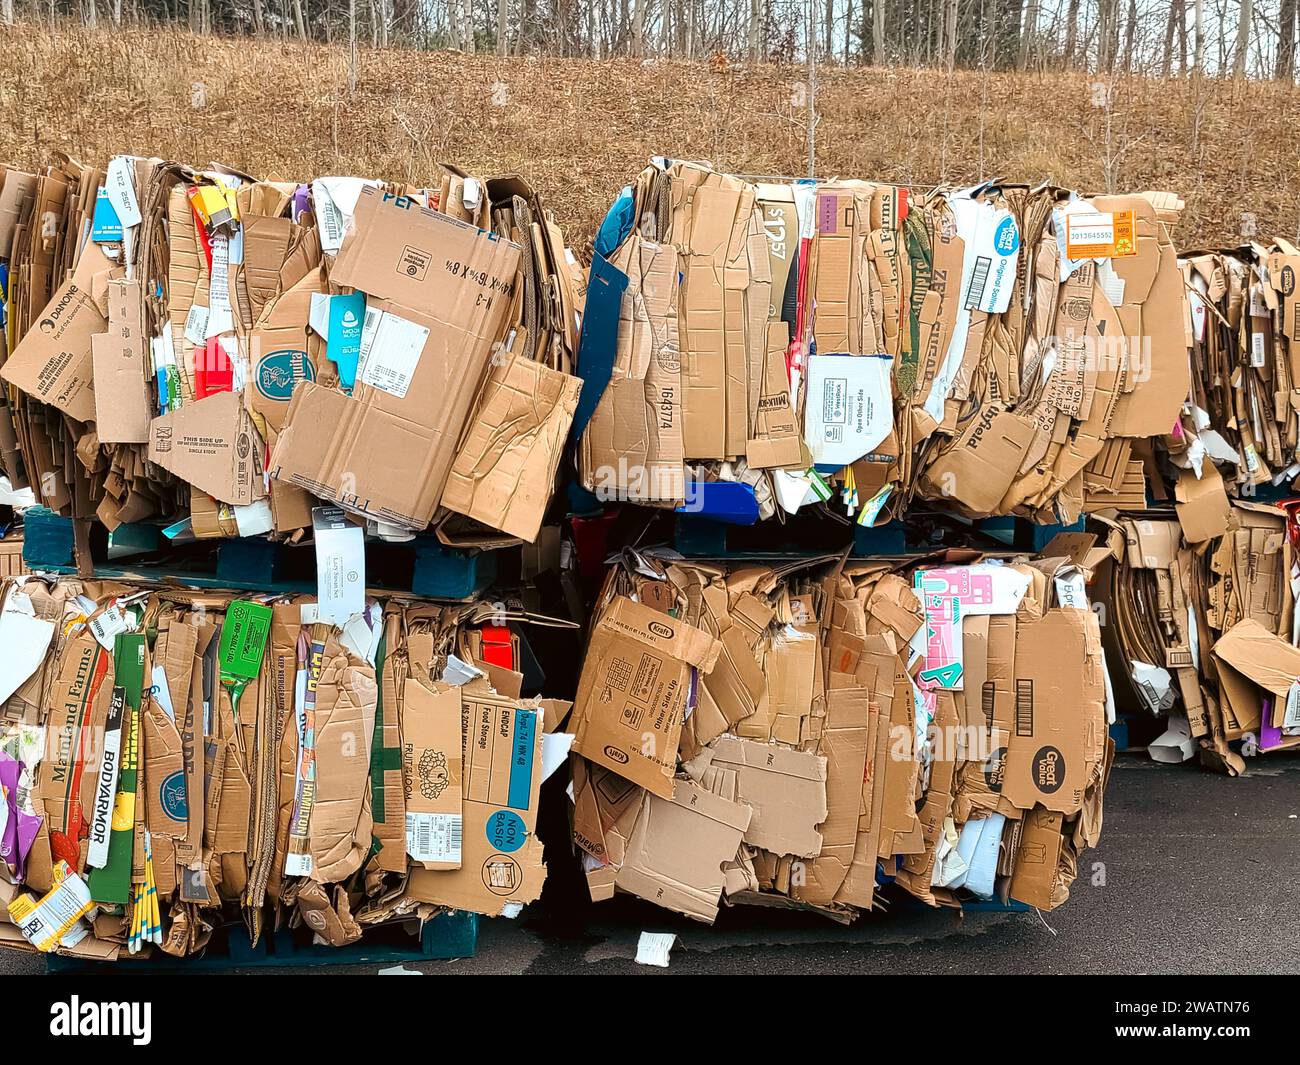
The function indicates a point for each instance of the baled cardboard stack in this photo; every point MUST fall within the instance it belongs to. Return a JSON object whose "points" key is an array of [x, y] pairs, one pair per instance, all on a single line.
{"points": [[769, 735], [995, 349], [175, 760], [1202, 633], [210, 351]]}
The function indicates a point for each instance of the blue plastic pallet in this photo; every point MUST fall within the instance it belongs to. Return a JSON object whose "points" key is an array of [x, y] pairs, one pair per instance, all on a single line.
{"points": [[445, 937], [253, 564]]}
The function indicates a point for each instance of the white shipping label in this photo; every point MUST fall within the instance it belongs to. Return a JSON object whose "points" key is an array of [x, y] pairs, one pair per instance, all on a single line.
{"points": [[340, 565], [220, 318], [119, 184], [329, 220], [434, 837], [390, 351], [196, 325], [1292, 716], [990, 262], [849, 408], [107, 625], [1258, 354]]}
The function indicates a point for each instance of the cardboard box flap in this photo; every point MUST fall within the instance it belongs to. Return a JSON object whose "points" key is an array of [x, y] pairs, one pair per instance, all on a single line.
{"points": [[1264, 658], [211, 444]]}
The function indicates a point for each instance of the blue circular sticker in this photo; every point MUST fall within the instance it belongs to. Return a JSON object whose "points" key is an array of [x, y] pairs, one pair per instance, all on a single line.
{"points": [[505, 831], [279, 372], [1006, 239], [172, 795]]}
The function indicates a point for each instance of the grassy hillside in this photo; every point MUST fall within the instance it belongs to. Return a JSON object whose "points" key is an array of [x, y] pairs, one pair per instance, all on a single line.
{"points": [[580, 129]]}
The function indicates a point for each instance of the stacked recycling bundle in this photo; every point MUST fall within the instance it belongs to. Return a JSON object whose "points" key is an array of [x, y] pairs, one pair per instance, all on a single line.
{"points": [[1202, 630], [766, 347], [789, 736], [208, 351], [173, 760], [1243, 326]]}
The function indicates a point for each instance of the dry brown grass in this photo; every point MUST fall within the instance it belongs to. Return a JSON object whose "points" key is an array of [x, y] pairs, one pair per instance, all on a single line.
{"points": [[580, 129]]}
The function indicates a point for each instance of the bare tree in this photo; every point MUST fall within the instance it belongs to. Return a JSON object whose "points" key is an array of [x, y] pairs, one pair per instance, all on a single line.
{"points": [[1284, 68], [1071, 32], [1243, 39], [1198, 30], [812, 88], [1027, 33]]}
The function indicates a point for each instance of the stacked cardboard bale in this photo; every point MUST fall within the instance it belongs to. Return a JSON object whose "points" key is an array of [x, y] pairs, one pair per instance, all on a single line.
{"points": [[790, 736], [174, 760], [996, 349], [203, 349]]}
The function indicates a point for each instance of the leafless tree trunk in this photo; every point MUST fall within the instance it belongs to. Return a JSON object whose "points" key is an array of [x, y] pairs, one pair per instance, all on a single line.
{"points": [[950, 31], [755, 26], [1198, 40], [828, 30], [1071, 32], [503, 27], [352, 47], [1130, 34], [878, 33], [91, 14], [1243, 39], [299, 22], [1107, 31], [812, 88], [1177, 13], [1284, 70], [1028, 33]]}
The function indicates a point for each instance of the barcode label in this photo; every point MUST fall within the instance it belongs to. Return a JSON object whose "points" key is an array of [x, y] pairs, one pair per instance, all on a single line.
{"points": [[980, 278], [1024, 707], [390, 351], [1258, 356], [434, 837], [986, 700]]}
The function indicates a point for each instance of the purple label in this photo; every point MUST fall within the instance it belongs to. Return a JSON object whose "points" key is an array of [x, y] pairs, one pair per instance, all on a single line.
{"points": [[827, 207]]}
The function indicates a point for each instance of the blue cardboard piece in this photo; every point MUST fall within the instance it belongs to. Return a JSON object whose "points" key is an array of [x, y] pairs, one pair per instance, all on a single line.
{"points": [[596, 346], [731, 502], [105, 227], [343, 342]]}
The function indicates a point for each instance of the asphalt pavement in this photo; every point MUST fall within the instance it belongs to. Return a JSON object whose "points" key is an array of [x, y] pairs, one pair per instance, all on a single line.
{"points": [[1195, 874]]}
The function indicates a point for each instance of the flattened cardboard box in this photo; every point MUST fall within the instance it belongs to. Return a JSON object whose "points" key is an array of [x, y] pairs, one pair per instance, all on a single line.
{"points": [[786, 790], [211, 444], [432, 736], [53, 362], [501, 863], [1059, 733], [677, 849], [637, 682], [505, 470], [439, 291]]}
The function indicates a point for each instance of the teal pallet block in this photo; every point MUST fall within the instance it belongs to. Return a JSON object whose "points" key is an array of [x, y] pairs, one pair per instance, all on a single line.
{"points": [[697, 537], [445, 937], [887, 539], [133, 538], [1270, 493], [49, 542], [1030, 536], [443, 572], [996, 906], [1119, 733], [247, 562]]}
